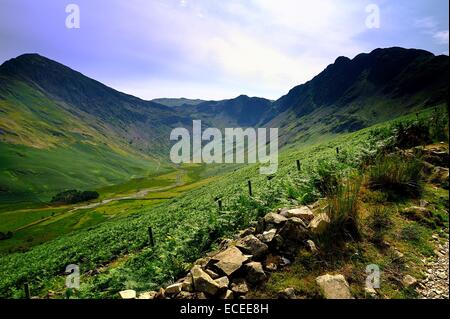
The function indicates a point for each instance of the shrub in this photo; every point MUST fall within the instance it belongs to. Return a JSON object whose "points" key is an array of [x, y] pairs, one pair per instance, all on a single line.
{"points": [[73, 196], [325, 177], [396, 175], [411, 233], [342, 210], [380, 222]]}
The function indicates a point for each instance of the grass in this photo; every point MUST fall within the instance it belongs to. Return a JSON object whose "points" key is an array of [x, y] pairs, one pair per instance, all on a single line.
{"points": [[34, 226], [115, 255], [396, 175], [342, 210]]}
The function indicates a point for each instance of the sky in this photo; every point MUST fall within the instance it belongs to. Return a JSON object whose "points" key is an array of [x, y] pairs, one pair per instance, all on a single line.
{"points": [[215, 49]]}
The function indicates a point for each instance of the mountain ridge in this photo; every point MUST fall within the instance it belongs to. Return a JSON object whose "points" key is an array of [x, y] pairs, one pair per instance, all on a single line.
{"points": [[45, 105]]}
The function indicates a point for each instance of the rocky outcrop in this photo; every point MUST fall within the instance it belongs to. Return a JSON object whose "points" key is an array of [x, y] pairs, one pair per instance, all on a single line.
{"points": [[245, 262]]}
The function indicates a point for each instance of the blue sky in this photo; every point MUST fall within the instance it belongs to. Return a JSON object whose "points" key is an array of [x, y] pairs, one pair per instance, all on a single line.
{"points": [[213, 49]]}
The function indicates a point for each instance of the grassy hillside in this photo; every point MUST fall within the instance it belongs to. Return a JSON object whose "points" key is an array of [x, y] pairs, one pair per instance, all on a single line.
{"points": [[115, 255]]}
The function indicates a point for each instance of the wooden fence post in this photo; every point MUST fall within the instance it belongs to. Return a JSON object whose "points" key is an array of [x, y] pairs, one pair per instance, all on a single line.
{"points": [[27, 290], [150, 236], [298, 165], [250, 188]]}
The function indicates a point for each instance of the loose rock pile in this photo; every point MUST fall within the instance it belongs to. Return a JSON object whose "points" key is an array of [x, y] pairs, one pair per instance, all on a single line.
{"points": [[436, 283], [245, 262]]}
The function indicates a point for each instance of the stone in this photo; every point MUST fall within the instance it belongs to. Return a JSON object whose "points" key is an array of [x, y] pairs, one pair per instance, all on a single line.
{"points": [[294, 230], [252, 245], [283, 212], [409, 281], [371, 292], [212, 274], [230, 260], [255, 273], [128, 294], [311, 246], [147, 295], [202, 262], [304, 213], [186, 295], [223, 282], [227, 295], [174, 289], [161, 294], [246, 232], [272, 220], [285, 262], [288, 293], [278, 242], [319, 223], [187, 284], [271, 267], [239, 286], [267, 236], [200, 295], [334, 286], [203, 282]]}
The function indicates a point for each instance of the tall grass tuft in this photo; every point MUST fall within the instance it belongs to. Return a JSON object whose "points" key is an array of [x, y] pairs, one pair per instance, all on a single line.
{"points": [[342, 210], [396, 175], [379, 221]]}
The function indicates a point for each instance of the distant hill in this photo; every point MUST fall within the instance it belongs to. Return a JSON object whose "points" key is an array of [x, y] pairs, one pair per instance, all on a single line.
{"points": [[242, 111], [177, 102]]}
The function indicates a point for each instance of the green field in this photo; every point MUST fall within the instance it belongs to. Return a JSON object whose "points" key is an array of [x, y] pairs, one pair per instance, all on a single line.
{"points": [[110, 243]]}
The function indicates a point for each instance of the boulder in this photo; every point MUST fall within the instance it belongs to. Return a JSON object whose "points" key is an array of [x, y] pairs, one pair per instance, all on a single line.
{"points": [[229, 260], [273, 220], [147, 295], [128, 294], [371, 292], [409, 281], [203, 282], [202, 262], [294, 230], [239, 286], [255, 273], [288, 293], [187, 284], [161, 294], [319, 223], [212, 274], [311, 246], [440, 176], [304, 213], [223, 283], [186, 295], [174, 289], [200, 295], [252, 245], [267, 236], [271, 267], [227, 295], [283, 212], [246, 232], [285, 262], [334, 286]]}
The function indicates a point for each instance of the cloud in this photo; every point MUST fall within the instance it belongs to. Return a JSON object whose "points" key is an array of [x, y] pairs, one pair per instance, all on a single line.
{"points": [[441, 37], [231, 47], [426, 23]]}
